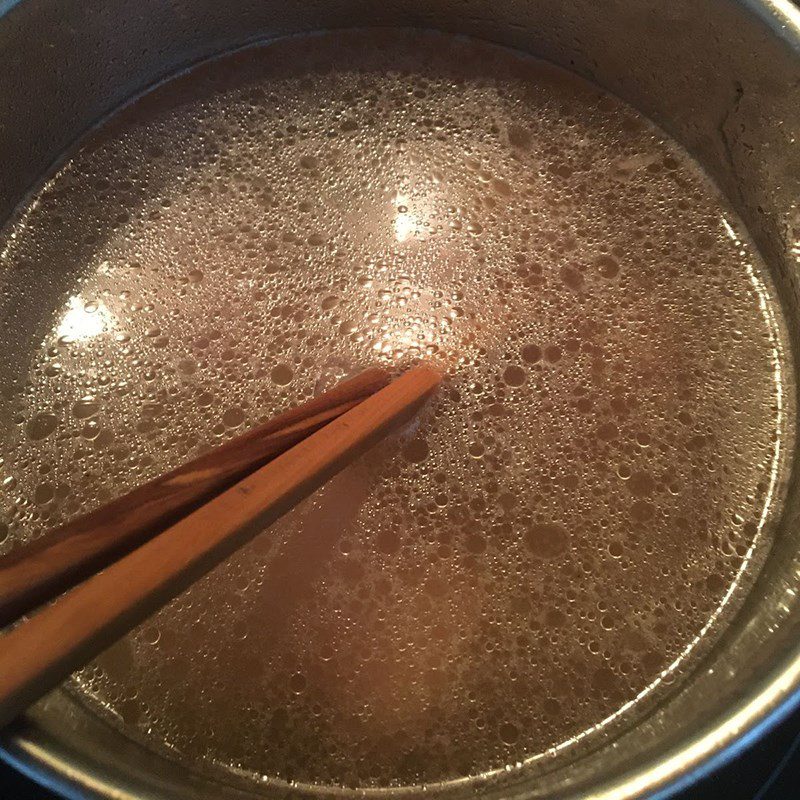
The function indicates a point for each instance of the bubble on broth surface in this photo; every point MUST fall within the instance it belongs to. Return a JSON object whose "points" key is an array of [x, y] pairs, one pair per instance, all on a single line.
{"points": [[558, 529]]}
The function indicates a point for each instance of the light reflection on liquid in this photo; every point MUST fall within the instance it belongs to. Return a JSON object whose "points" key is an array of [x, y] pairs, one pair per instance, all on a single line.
{"points": [[83, 320], [410, 336], [419, 321], [406, 224]]}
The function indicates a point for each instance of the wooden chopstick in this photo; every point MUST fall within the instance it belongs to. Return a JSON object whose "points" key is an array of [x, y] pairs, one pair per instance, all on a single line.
{"points": [[38, 572], [42, 651]]}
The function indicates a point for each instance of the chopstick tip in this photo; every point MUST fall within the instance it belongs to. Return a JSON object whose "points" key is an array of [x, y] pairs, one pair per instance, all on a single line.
{"points": [[426, 374]]}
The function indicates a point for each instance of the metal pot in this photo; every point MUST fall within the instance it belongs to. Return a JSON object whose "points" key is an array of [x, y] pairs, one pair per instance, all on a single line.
{"points": [[721, 76]]}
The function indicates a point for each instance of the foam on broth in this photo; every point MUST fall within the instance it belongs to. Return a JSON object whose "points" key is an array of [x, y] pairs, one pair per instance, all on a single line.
{"points": [[547, 546]]}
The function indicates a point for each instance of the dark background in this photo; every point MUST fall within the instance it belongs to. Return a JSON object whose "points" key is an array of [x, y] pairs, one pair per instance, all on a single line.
{"points": [[769, 770]]}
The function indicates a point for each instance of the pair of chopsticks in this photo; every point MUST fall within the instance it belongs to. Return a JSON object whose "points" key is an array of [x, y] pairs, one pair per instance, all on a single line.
{"points": [[154, 542]]}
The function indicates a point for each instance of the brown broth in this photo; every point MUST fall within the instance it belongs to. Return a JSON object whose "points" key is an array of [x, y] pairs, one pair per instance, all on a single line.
{"points": [[546, 548]]}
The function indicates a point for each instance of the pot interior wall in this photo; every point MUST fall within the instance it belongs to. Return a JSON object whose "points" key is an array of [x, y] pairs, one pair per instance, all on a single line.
{"points": [[722, 77]]}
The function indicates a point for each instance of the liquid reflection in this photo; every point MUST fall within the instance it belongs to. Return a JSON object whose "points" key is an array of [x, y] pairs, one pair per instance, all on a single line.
{"points": [[83, 320]]}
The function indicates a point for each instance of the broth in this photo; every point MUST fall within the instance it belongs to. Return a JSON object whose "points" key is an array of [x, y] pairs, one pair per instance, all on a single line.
{"points": [[549, 547]]}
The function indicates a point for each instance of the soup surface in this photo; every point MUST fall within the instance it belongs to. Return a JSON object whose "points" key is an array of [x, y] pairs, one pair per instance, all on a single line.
{"points": [[550, 546]]}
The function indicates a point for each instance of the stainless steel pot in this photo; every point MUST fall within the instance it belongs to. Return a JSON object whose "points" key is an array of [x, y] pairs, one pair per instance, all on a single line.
{"points": [[723, 77]]}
